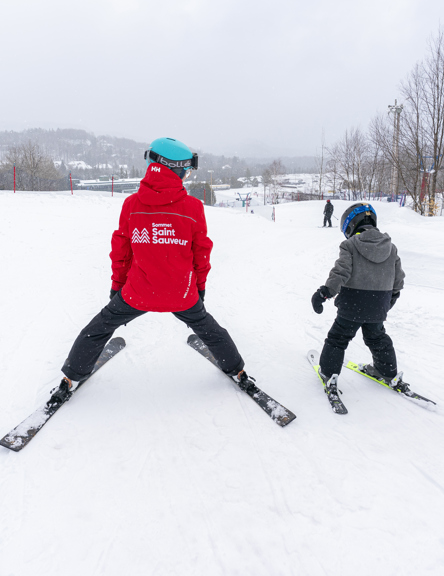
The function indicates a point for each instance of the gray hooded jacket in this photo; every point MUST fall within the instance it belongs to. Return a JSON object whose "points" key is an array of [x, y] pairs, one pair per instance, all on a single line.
{"points": [[366, 274]]}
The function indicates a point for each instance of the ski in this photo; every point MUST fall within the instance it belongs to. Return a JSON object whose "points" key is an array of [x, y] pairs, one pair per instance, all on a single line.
{"points": [[408, 393], [278, 413], [336, 403], [22, 434]]}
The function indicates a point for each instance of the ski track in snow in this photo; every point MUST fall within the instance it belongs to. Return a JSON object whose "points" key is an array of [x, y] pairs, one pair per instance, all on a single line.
{"points": [[159, 466]]}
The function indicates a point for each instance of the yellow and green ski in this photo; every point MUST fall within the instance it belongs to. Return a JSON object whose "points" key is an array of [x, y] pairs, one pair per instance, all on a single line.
{"points": [[407, 392]]}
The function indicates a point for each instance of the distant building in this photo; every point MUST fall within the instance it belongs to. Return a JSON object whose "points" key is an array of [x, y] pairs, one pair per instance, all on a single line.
{"points": [[106, 184]]}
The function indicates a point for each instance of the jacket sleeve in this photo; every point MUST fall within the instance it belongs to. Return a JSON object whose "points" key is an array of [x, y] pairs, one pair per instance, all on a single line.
{"points": [[121, 252], [201, 248], [342, 270], [399, 275]]}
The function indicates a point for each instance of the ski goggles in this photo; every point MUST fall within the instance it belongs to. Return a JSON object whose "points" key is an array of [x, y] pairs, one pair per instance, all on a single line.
{"points": [[190, 163], [354, 213]]}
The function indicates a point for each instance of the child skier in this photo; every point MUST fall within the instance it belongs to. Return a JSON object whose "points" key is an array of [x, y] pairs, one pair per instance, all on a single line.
{"points": [[367, 278], [160, 261]]}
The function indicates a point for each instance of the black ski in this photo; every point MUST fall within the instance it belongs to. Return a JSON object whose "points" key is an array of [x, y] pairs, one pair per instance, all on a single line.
{"points": [[407, 392], [278, 413], [335, 402], [22, 434]]}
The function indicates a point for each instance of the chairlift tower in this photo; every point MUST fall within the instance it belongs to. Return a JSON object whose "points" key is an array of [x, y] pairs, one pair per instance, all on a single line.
{"points": [[396, 111], [244, 198]]}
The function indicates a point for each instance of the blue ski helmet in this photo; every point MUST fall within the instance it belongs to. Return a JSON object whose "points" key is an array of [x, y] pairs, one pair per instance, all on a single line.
{"points": [[173, 154], [357, 215]]}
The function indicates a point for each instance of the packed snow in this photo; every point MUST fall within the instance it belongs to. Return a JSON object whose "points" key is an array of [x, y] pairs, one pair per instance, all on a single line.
{"points": [[160, 466]]}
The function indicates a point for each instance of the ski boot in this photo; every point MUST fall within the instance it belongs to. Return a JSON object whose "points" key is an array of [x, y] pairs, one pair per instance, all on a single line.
{"points": [[243, 380], [331, 389], [396, 382], [62, 393], [330, 384]]}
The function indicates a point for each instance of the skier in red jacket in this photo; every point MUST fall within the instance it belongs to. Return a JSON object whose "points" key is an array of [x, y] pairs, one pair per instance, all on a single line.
{"points": [[160, 261]]}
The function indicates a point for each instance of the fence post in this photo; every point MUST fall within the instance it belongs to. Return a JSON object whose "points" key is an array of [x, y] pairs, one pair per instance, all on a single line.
{"points": [[70, 181], [14, 177], [112, 185]]}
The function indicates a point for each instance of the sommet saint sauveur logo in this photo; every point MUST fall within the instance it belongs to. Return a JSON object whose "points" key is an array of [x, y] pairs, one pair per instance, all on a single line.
{"points": [[161, 234]]}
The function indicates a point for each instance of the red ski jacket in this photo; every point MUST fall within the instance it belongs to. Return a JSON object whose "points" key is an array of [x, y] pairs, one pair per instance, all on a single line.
{"points": [[161, 252]]}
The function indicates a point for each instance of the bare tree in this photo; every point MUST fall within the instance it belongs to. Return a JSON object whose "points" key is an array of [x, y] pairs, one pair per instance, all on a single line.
{"points": [[266, 181], [352, 162], [408, 160], [34, 169], [421, 130], [433, 73], [321, 164], [276, 169]]}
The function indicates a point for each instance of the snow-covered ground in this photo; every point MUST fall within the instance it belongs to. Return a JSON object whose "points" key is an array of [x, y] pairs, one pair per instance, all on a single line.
{"points": [[159, 466]]}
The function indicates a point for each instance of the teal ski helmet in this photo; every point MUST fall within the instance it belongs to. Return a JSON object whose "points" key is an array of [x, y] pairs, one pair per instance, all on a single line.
{"points": [[173, 154]]}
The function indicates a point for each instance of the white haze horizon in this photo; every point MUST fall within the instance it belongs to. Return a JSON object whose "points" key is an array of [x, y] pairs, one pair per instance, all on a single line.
{"points": [[233, 78]]}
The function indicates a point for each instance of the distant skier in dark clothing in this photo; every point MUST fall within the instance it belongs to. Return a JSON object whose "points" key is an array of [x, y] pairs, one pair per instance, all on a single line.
{"points": [[328, 212], [366, 279]]}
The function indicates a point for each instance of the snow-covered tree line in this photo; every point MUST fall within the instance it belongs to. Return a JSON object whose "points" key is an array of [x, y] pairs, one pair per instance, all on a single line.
{"points": [[44, 159], [86, 156], [32, 169]]}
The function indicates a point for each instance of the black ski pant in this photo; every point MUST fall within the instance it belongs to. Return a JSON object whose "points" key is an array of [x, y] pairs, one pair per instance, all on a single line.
{"points": [[93, 338], [327, 218], [375, 337]]}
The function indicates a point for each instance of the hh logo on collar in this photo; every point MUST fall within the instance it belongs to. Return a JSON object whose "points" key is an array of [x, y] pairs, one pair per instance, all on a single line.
{"points": [[140, 238]]}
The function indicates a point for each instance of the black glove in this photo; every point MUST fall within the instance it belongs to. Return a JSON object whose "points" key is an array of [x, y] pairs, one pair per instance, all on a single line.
{"points": [[395, 296], [112, 293], [202, 294], [319, 297]]}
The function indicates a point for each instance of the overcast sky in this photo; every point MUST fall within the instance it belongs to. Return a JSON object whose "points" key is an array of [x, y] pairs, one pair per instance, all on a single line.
{"points": [[230, 77]]}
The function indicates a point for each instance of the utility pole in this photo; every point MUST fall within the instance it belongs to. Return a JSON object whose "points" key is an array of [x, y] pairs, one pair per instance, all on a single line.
{"points": [[396, 110], [211, 188]]}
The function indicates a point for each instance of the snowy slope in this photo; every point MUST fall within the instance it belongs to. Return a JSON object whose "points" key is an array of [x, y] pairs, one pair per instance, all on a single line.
{"points": [[159, 466]]}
